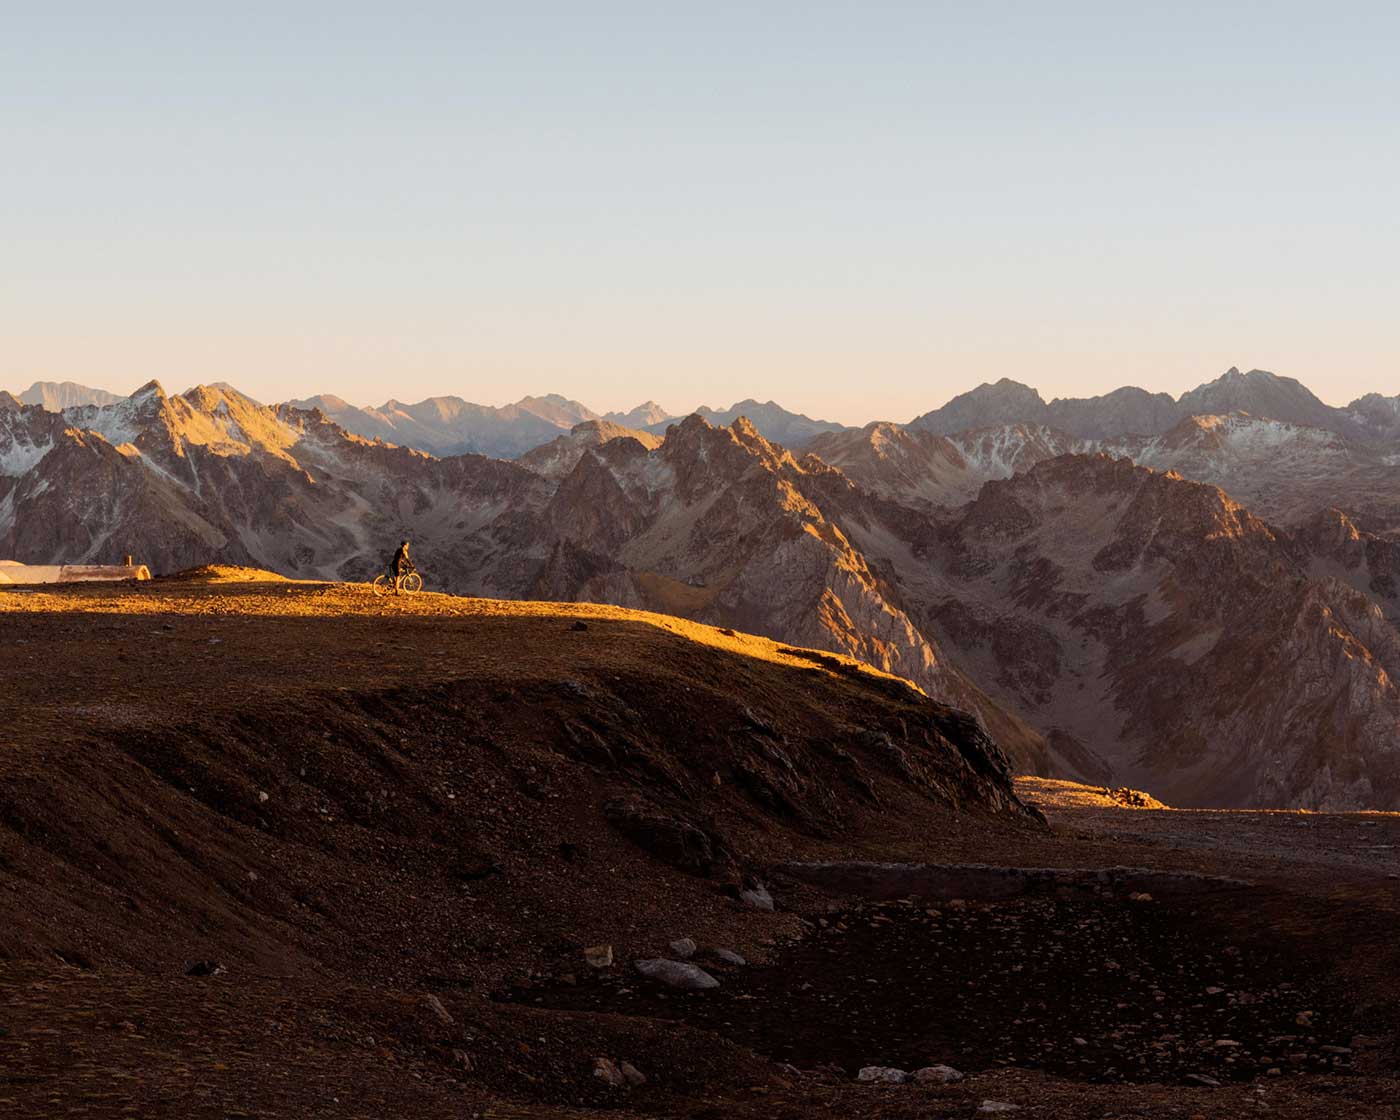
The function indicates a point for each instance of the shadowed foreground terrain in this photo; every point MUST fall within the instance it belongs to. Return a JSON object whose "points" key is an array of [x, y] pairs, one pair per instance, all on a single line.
{"points": [[284, 849]]}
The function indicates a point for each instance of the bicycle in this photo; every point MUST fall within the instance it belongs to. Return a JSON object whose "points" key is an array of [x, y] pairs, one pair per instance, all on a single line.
{"points": [[410, 583]]}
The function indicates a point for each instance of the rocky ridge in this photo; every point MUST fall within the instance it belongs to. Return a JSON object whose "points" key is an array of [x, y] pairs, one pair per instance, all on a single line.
{"points": [[1134, 412]]}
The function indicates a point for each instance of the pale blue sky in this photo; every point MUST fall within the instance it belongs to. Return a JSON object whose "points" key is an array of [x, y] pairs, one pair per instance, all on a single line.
{"points": [[856, 209]]}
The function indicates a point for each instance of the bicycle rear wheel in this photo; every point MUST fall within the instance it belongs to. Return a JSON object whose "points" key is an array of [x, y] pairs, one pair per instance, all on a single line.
{"points": [[381, 585]]}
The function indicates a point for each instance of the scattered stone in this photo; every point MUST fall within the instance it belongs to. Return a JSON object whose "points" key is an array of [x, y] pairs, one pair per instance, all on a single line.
{"points": [[1304, 1018], [676, 974], [579, 625], [728, 956], [998, 1106], [757, 896], [882, 1073], [440, 1013], [1202, 1079], [598, 956], [633, 1075], [1336, 1049], [607, 1071], [1080, 1041], [262, 797], [937, 1075], [205, 968], [684, 948], [463, 1059], [1139, 896], [1226, 1043]]}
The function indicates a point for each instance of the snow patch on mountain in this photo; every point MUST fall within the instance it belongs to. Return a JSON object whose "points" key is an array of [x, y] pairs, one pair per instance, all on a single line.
{"points": [[17, 458]]}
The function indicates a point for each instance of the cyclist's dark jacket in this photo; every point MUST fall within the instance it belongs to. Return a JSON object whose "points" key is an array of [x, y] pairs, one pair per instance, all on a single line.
{"points": [[400, 563]]}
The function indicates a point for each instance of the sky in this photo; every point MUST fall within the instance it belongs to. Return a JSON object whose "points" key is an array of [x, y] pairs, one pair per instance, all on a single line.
{"points": [[856, 209]]}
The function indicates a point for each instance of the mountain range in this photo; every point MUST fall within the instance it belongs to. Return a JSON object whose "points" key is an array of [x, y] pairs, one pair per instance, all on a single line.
{"points": [[1133, 411], [1207, 610], [453, 426], [450, 425]]}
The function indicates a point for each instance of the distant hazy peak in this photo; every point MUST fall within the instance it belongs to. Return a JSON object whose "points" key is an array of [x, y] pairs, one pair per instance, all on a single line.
{"points": [[230, 391], [556, 407], [326, 402], [1004, 402], [1261, 393], [55, 396], [646, 413]]}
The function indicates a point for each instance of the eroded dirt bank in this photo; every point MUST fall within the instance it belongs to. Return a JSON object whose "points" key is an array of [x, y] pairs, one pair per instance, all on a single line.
{"points": [[381, 834]]}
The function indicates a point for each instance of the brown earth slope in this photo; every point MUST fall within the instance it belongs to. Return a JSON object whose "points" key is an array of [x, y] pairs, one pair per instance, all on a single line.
{"points": [[349, 803], [284, 849]]}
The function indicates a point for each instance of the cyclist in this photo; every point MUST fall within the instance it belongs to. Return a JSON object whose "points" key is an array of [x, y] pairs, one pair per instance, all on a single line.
{"points": [[400, 565]]}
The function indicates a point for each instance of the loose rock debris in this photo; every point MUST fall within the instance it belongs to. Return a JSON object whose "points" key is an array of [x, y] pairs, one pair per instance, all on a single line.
{"points": [[1108, 992]]}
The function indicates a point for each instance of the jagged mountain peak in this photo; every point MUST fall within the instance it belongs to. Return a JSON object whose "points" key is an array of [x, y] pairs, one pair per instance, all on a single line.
{"points": [[560, 456], [697, 431], [775, 423], [1001, 402], [744, 428], [1169, 517], [208, 398], [1332, 524], [1261, 393], [152, 390]]}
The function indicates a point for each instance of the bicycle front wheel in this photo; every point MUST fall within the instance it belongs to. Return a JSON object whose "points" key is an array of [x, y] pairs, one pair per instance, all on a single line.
{"points": [[412, 583]]}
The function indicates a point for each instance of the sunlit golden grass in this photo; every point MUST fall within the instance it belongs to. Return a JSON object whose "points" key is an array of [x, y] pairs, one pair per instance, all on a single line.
{"points": [[1061, 794], [226, 590]]}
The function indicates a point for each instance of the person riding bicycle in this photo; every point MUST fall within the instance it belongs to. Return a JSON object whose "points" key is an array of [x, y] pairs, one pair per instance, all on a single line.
{"points": [[400, 565]]}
